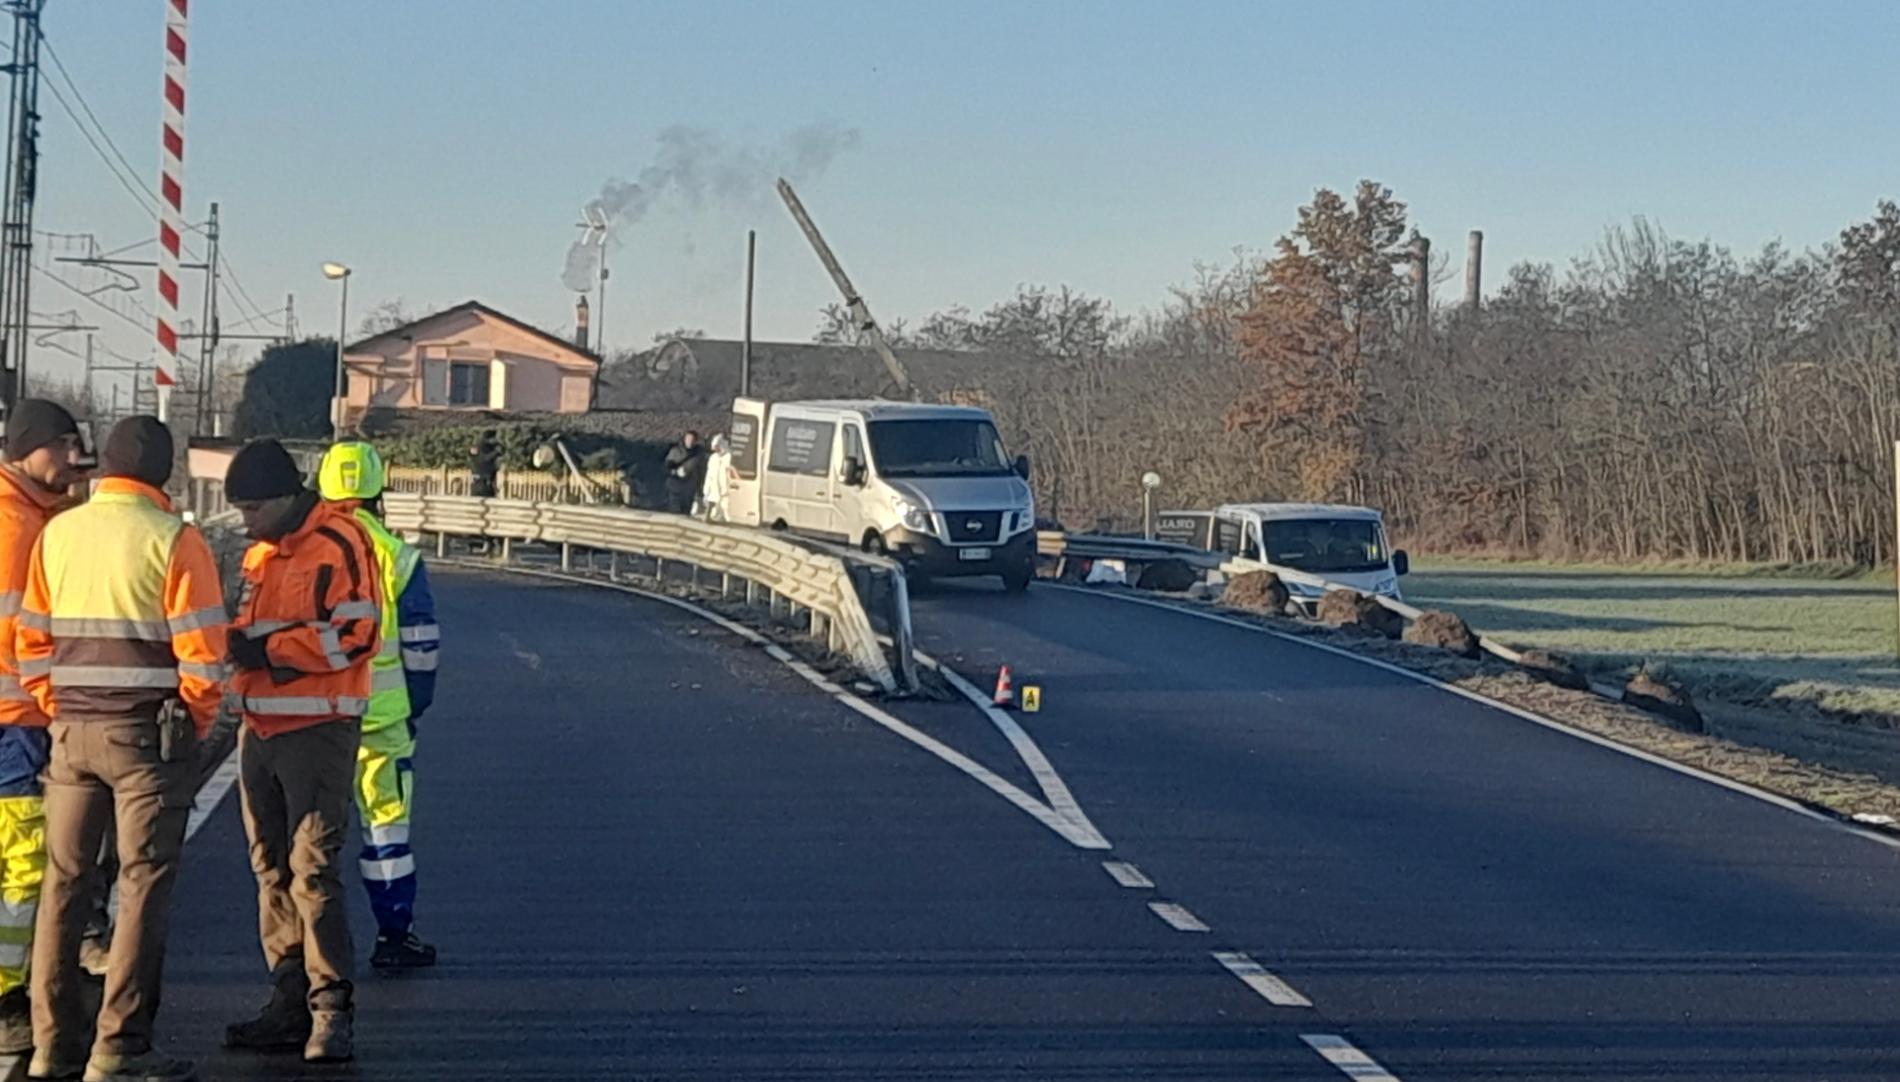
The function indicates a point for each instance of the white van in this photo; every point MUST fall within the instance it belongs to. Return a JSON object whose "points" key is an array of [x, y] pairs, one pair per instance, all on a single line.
{"points": [[929, 485], [1307, 544]]}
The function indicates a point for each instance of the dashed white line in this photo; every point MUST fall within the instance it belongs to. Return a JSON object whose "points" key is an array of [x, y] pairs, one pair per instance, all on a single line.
{"points": [[1127, 875], [1351, 1062], [1177, 917], [1271, 988]]}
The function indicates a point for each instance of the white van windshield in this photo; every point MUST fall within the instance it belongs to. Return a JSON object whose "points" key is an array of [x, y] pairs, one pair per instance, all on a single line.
{"points": [[938, 448], [1322, 545]]}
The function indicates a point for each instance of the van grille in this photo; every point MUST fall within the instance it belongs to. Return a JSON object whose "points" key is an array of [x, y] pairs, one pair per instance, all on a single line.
{"points": [[974, 527]]}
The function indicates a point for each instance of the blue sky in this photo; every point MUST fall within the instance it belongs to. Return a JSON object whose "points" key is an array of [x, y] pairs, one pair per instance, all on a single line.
{"points": [[444, 147]]}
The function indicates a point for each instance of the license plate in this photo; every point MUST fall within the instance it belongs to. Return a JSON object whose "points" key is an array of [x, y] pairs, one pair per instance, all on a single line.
{"points": [[973, 555]]}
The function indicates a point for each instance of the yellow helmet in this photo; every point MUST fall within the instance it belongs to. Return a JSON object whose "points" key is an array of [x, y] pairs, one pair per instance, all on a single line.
{"points": [[351, 471]]}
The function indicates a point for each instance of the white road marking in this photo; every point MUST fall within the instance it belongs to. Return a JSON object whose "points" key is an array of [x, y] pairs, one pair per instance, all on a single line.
{"points": [[1127, 874], [1082, 834], [1177, 917], [1054, 790], [1271, 988], [1351, 1062], [211, 794], [1730, 784]]}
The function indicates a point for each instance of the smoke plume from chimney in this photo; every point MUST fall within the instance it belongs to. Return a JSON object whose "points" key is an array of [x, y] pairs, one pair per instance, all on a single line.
{"points": [[700, 168]]}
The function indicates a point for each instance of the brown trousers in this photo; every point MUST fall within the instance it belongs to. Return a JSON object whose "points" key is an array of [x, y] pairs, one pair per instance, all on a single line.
{"points": [[101, 774], [300, 810]]}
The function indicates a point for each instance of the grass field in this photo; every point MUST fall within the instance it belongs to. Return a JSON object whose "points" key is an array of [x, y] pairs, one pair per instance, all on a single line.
{"points": [[1745, 637]]}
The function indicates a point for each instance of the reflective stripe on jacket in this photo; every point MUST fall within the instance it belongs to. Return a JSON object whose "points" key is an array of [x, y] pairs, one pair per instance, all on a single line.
{"points": [[315, 598], [122, 611], [25, 509], [402, 678]]}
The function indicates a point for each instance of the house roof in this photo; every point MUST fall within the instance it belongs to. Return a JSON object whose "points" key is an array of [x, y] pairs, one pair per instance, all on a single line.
{"points": [[478, 306]]}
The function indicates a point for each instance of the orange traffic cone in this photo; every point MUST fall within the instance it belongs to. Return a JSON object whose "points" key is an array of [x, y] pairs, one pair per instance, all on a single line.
{"points": [[1005, 688]]}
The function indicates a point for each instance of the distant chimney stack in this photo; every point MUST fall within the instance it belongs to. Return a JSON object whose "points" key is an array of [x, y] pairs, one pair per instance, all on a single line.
{"points": [[580, 322], [1474, 269]]}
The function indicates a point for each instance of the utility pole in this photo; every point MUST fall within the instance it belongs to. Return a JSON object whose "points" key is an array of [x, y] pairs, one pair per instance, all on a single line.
{"points": [[290, 317], [208, 345], [745, 351], [854, 303], [23, 156], [1421, 286], [1474, 270]]}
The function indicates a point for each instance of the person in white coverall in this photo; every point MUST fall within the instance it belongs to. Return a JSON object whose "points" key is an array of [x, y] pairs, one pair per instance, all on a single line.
{"points": [[712, 494]]}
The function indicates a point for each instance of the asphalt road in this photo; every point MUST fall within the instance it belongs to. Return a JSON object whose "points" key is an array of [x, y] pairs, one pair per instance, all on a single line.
{"points": [[648, 852], [1460, 893]]}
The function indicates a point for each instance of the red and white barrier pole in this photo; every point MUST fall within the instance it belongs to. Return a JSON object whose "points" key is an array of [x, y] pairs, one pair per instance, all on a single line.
{"points": [[171, 215]]}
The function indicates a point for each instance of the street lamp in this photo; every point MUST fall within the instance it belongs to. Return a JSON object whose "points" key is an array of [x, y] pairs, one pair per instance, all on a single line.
{"points": [[1150, 481], [337, 272]]}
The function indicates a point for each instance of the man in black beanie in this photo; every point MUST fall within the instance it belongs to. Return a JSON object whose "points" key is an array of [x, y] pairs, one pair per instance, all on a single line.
{"points": [[303, 681]]}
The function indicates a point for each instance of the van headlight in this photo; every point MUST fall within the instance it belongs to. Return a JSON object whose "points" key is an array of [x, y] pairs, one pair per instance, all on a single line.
{"points": [[913, 517]]}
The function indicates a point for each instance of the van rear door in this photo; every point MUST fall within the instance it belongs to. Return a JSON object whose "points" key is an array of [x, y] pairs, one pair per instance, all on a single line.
{"points": [[745, 439]]}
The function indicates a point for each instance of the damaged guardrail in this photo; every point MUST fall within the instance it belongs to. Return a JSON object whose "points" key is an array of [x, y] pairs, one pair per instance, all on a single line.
{"points": [[827, 585]]}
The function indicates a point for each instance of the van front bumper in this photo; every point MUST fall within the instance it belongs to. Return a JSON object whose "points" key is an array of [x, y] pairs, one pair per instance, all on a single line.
{"points": [[927, 555]]}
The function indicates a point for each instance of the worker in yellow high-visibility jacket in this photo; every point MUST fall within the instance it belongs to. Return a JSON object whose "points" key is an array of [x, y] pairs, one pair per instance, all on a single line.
{"points": [[402, 688]]}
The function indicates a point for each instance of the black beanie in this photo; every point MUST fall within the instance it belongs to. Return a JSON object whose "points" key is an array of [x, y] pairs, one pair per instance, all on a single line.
{"points": [[139, 448], [33, 423], [263, 470]]}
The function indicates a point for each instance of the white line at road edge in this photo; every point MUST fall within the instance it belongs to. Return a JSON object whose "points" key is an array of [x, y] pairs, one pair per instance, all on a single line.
{"points": [[1081, 834], [1061, 801], [1730, 784], [1127, 875], [1351, 1062], [1178, 917], [1255, 976]]}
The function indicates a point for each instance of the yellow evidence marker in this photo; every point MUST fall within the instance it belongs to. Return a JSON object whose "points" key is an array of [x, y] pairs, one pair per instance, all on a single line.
{"points": [[1032, 699]]}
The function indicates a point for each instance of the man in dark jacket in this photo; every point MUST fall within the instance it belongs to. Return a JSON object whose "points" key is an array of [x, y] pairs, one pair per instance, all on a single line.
{"points": [[685, 473], [484, 461]]}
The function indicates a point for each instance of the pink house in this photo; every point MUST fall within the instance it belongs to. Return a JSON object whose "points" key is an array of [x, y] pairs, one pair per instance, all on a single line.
{"points": [[470, 357]]}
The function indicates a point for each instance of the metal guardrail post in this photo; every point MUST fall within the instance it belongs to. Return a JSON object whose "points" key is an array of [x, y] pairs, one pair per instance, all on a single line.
{"points": [[900, 631], [567, 556]]}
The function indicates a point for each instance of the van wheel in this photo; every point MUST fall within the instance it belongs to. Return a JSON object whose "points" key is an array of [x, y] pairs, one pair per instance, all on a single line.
{"points": [[780, 526], [873, 543], [1017, 581]]}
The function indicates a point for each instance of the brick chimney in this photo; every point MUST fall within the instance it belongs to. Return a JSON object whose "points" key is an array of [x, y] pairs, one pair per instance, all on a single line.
{"points": [[580, 322]]}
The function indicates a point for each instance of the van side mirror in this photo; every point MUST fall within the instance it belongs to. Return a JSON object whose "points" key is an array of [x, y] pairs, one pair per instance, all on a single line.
{"points": [[853, 473], [1022, 466], [1401, 563]]}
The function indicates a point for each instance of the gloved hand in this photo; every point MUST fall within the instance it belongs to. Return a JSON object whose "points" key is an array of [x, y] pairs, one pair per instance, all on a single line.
{"points": [[246, 652]]}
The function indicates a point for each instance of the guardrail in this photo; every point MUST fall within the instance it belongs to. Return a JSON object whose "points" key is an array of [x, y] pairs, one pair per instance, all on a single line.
{"points": [[828, 584], [537, 486]]}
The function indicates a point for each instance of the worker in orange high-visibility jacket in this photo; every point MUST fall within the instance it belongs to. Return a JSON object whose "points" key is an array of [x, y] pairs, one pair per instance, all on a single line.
{"points": [[306, 633], [121, 642], [39, 465]]}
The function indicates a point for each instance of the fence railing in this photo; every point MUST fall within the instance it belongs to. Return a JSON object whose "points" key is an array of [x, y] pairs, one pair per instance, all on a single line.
{"points": [[535, 486], [827, 586]]}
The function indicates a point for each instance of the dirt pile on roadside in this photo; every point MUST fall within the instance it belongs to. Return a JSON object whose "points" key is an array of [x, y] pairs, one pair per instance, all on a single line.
{"points": [[1664, 698], [1350, 610], [1442, 631], [1554, 669], [1256, 591]]}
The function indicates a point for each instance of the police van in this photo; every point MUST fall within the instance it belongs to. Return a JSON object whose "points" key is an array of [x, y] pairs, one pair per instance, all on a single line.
{"points": [[1308, 545], [928, 485]]}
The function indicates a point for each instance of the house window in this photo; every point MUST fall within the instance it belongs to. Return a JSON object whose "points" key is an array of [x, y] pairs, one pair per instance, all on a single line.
{"points": [[468, 384]]}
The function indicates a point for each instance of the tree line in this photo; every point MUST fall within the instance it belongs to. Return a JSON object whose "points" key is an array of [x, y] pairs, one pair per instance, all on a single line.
{"points": [[1653, 399]]}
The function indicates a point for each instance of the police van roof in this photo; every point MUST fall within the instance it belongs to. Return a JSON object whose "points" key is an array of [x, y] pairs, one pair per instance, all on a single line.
{"points": [[1275, 511]]}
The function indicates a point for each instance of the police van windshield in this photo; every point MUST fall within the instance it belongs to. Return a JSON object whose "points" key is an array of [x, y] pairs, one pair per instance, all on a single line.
{"points": [[1323, 545], [944, 447]]}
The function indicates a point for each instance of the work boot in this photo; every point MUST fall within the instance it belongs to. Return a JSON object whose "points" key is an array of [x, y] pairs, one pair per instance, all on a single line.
{"points": [[94, 953], [284, 1023], [45, 1067], [16, 1024], [152, 1066], [401, 950], [332, 1028]]}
